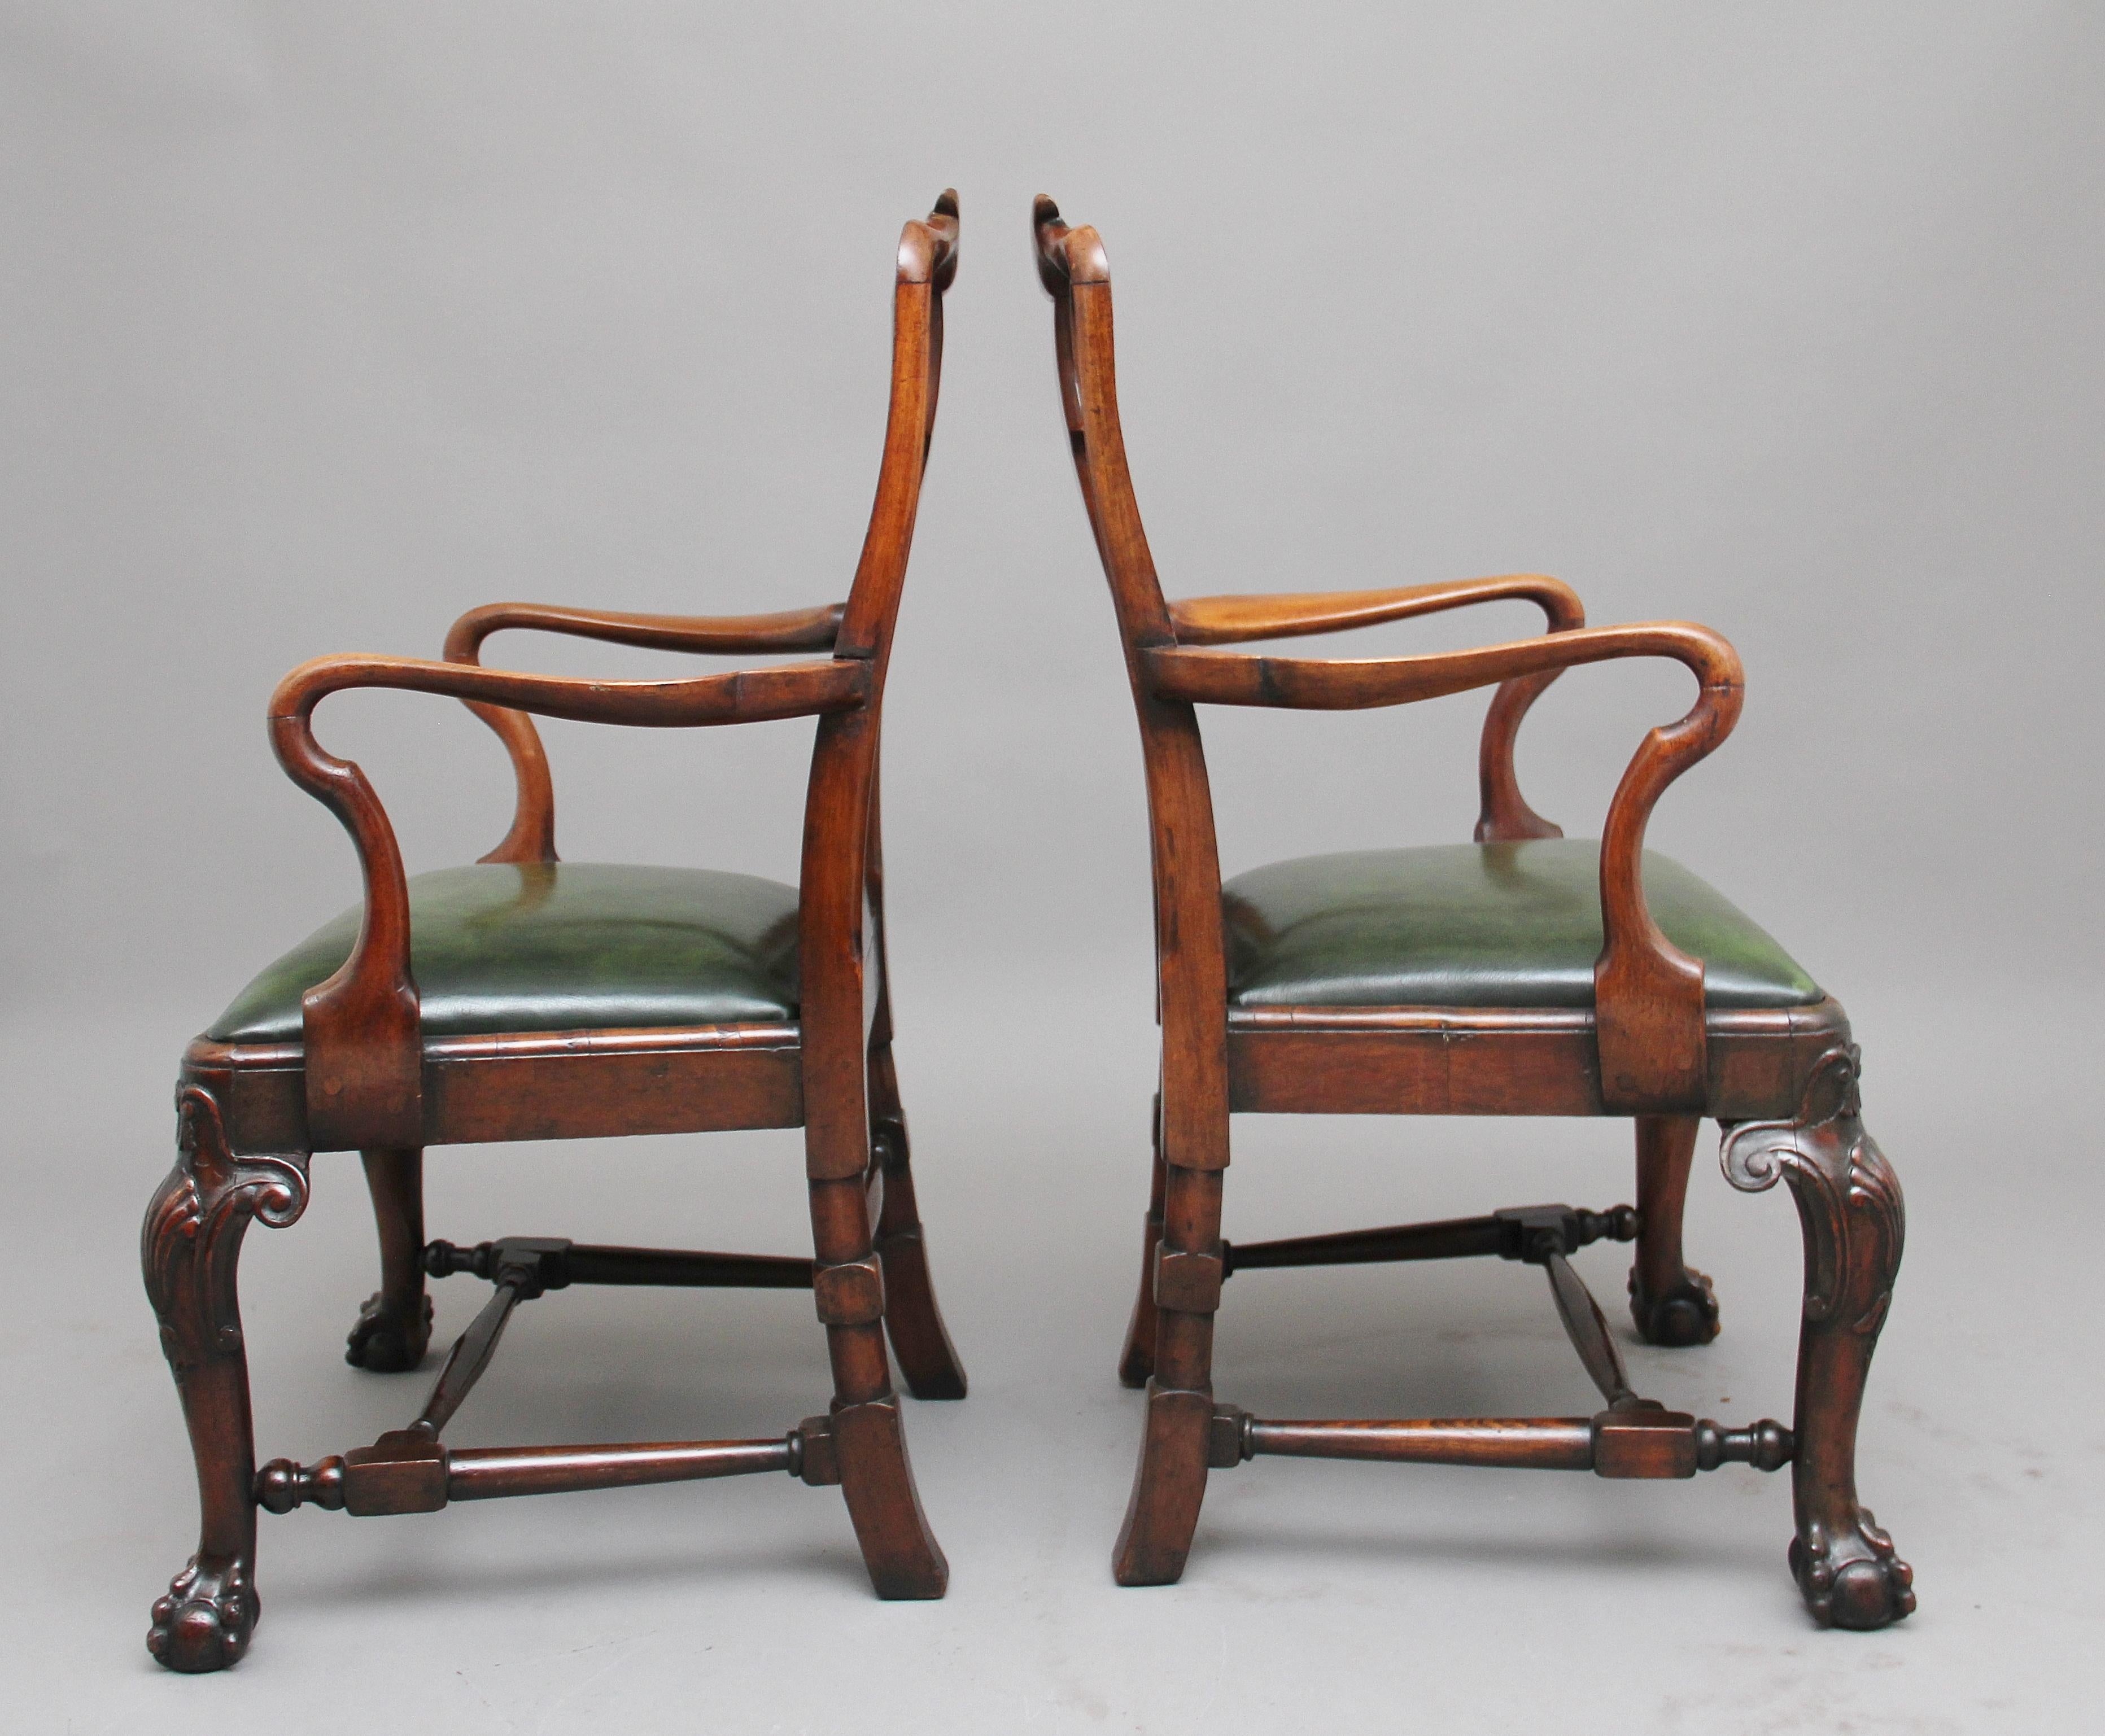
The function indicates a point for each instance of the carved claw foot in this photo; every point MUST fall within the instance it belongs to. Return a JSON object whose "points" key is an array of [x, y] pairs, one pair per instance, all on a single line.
{"points": [[385, 1343], [204, 1621], [1852, 1578], [1685, 1315]]}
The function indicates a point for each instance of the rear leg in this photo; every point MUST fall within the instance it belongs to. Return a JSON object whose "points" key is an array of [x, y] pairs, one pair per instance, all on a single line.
{"points": [[1137, 1361], [1671, 1304], [926, 1357], [867, 1438], [393, 1328]]}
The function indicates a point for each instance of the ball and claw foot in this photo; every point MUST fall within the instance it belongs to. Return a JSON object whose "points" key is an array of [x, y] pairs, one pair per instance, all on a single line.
{"points": [[1852, 1579], [1687, 1314], [204, 1621], [385, 1343]]}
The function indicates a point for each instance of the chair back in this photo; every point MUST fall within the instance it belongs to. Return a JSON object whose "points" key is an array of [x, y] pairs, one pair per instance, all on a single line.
{"points": [[1191, 964], [845, 1014], [928, 264]]}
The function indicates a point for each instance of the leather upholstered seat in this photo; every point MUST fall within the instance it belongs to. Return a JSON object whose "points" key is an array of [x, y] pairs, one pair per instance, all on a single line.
{"points": [[1475, 924], [504, 947]]}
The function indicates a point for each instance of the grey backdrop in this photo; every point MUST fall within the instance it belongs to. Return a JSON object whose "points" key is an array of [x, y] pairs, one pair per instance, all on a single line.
{"points": [[319, 326]]}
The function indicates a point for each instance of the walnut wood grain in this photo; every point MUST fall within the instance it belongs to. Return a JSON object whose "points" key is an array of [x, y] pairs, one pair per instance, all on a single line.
{"points": [[1232, 620], [1530, 1443]]}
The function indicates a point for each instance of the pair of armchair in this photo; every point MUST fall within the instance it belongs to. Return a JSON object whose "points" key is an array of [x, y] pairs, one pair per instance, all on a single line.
{"points": [[526, 997]]}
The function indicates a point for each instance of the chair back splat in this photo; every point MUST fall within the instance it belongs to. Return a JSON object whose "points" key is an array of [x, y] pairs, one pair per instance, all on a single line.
{"points": [[1523, 974]]}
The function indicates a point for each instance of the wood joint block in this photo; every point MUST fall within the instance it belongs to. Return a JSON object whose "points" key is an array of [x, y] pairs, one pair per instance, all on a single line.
{"points": [[1188, 1283], [403, 1471], [816, 1462], [1227, 1444], [1644, 1441], [850, 1294]]}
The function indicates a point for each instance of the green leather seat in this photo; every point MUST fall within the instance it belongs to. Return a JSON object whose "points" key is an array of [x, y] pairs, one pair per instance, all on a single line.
{"points": [[1474, 925], [562, 947]]}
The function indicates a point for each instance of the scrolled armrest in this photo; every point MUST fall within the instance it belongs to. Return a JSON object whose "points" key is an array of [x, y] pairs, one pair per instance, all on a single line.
{"points": [[363, 1047], [1648, 993], [788, 630], [532, 836], [1207, 677], [735, 696], [1230, 620], [1504, 812]]}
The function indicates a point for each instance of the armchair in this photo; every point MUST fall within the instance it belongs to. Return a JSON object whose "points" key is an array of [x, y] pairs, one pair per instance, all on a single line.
{"points": [[1523, 974], [525, 997]]}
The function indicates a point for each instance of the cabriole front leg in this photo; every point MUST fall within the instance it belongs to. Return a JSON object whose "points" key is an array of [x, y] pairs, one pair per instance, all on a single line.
{"points": [[189, 1247], [1849, 1206], [393, 1328]]}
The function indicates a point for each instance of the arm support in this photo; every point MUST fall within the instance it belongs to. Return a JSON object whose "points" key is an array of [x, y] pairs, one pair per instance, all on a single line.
{"points": [[1648, 994], [1503, 813], [532, 837], [364, 1051]]}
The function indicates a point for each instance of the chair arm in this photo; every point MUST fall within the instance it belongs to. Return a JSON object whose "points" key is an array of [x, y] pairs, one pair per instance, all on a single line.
{"points": [[1229, 620], [1207, 677], [789, 630], [532, 836], [1503, 812], [364, 1052], [1648, 993]]}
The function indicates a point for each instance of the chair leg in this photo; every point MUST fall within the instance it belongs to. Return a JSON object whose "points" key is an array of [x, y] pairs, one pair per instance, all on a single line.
{"points": [[926, 1355], [1671, 1304], [1171, 1481], [393, 1328], [1850, 1207], [1137, 1362], [189, 1247], [901, 1551]]}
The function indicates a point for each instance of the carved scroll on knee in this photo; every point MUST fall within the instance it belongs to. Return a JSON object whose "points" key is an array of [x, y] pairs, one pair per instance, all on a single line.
{"points": [[1849, 1198]]}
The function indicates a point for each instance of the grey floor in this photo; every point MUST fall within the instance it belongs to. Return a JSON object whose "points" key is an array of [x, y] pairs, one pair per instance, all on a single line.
{"points": [[1372, 1597]]}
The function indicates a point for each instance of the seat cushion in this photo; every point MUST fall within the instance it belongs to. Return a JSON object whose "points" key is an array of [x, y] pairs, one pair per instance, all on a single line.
{"points": [[561, 947], [1474, 925]]}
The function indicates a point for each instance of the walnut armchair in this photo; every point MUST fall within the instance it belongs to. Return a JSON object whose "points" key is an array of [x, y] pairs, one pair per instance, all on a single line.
{"points": [[528, 998], [1524, 974]]}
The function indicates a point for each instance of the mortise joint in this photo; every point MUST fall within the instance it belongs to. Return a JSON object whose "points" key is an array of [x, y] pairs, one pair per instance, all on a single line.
{"points": [[812, 1453], [1188, 1283], [850, 1294], [1228, 1441], [1535, 1233], [529, 1265]]}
